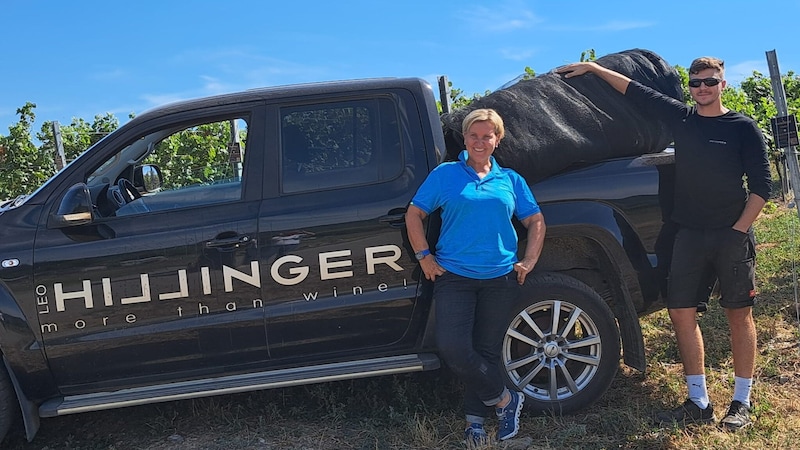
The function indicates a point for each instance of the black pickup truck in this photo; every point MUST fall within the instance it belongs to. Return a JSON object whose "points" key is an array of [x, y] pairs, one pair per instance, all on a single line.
{"points": [[145, 273]]}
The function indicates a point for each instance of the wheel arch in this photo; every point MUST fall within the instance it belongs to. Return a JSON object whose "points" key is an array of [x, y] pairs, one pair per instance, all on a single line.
{"points": [[24, 360], [28, 409], [596, 256]]}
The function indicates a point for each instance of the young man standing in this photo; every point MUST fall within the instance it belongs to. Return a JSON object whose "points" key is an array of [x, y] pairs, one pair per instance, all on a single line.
{"points": [[714, 149]]}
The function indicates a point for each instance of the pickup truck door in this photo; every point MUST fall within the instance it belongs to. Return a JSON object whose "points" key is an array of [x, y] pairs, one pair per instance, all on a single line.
{"points": [[164, 287], [341, 275]]}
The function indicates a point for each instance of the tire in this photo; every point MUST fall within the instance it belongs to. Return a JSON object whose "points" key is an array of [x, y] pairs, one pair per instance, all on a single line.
{"points": [[567, 369], [9, 408]]}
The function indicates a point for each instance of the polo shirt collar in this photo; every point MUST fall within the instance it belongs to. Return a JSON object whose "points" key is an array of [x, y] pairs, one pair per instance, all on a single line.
{"points": [[493, 171]]}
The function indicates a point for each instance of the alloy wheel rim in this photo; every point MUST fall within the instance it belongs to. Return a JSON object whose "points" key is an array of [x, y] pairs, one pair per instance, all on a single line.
{"points": [[552, 350]]}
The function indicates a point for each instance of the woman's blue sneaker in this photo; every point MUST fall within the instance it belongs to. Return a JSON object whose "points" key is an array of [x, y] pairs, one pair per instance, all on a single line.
{"points": [[475, 436], [508, 416]]}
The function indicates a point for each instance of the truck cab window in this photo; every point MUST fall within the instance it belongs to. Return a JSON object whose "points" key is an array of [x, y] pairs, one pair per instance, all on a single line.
{"points": [[194, 165], [339, 144]]}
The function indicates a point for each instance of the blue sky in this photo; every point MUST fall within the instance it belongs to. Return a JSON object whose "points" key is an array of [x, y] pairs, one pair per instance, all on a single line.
{"points": [[80, 59]]}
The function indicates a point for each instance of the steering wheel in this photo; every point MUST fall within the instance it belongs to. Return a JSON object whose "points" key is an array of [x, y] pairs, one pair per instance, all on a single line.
{"points": [[128, 190]]}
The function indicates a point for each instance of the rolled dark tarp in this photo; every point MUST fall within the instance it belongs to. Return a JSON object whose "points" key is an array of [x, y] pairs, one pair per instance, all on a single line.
{"points": [[554, 122]]}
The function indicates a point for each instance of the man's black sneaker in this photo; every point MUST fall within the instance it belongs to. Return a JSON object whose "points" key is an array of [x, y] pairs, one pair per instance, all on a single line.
{"points": [[738, 417], [687, 413]]}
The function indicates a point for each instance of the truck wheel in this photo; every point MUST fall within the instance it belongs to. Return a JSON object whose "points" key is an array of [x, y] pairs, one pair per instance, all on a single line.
{"points": [[9, 408], [562, 345]]}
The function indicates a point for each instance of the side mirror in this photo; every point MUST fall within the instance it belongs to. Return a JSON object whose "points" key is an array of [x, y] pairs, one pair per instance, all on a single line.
{"points": [[75, 208], [147, 177]]}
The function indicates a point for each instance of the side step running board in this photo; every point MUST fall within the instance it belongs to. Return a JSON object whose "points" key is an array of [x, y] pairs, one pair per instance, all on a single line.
{"points": [[238, 383]]}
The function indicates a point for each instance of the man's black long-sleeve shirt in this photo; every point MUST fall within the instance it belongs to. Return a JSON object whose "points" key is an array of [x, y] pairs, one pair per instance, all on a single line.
{"points": [[712, 154]]}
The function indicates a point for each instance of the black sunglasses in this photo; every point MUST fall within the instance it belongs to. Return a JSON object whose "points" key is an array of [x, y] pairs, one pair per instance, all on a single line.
{"points": [[710, 81]]}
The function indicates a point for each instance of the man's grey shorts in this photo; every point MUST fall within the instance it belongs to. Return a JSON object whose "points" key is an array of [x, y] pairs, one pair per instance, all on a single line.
{"points": [[725, 252]]}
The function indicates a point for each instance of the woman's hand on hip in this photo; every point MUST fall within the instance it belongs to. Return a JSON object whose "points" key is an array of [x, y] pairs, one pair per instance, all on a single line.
{"points": [[431, 268], [523, 268]]}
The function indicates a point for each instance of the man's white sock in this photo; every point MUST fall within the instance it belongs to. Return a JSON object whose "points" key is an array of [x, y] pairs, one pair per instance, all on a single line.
{"points": [[697, 390], [741, 390]]}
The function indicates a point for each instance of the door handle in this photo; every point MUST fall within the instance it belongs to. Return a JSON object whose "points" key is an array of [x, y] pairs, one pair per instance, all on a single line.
{"points": [[235, 242], [397, 220]]}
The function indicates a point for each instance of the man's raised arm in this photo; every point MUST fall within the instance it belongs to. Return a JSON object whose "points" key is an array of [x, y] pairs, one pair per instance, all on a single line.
{"points": [[617, 80]]}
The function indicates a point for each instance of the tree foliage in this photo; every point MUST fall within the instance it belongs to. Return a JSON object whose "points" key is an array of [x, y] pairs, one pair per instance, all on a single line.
{"points": [[23, 166], [588, 55], [458, 98], [195, 155], [79, 135]]}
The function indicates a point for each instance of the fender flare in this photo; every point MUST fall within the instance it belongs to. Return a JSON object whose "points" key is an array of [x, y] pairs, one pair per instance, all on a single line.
{"points": [[29, 410], [612, 239], [24, 360]]}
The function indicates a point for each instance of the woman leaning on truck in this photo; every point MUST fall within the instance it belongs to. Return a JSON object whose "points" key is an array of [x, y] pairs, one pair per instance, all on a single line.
{"points": [[474, 267]]}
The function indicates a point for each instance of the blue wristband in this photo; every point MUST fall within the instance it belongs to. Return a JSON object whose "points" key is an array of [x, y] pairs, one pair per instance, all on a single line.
{"points": [[422, 253]]}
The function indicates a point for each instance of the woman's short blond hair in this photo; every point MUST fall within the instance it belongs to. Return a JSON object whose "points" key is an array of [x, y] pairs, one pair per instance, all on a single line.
{"points": [[484, 114]]}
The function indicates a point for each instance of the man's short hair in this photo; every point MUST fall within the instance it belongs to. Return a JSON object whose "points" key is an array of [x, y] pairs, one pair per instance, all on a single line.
{"points": [[707, 62]]}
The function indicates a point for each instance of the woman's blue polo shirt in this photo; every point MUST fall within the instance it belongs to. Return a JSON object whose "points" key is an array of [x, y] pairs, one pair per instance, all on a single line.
{"points": [[477, 237]]}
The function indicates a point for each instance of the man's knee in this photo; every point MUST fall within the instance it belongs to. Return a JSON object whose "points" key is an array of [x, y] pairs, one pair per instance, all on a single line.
{"points": [[683, 315], [739, 315]]}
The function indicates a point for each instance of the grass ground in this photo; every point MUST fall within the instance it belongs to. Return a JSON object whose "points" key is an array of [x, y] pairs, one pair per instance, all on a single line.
{"points": [[422, 411]]}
